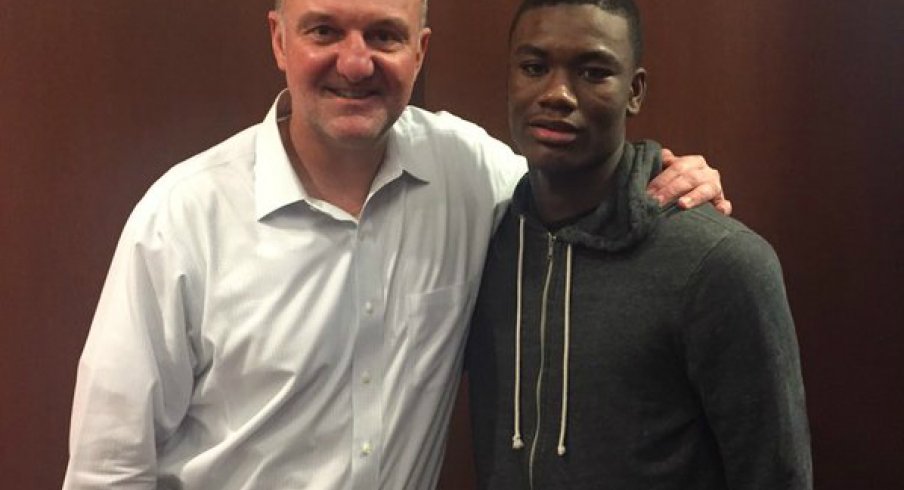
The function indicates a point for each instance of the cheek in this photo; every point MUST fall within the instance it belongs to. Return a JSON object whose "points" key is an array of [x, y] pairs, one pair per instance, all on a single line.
{"points": [[609, 96], [520, 97], [305, 64], [518, 130], [399, 71], [601, 105]]}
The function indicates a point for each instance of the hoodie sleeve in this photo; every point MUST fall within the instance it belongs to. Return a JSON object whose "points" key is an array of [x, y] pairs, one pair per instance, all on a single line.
{"points": [[743, 360]]}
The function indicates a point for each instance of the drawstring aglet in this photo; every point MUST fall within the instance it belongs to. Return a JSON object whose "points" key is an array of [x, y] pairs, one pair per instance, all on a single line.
{"points": [[517, 443], [561, 450]]}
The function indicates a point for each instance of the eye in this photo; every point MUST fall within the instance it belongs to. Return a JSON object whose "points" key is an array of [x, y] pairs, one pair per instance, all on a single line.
{"points": [[384, 39], [323, 33], [595, 74], [532, 68]]}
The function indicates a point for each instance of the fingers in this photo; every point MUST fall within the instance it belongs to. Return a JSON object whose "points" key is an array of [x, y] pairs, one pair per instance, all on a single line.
{"points": [[676, 167], [667, 157], [690, 180], [692, 196], [724, 206], [688, 177]]}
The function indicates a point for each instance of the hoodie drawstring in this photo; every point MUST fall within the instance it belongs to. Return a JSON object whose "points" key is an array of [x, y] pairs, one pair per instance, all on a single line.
{"points": [[517, 443], [566, 349]]}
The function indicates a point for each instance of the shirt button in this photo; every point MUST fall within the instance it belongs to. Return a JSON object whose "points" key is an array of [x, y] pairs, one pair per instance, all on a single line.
{"points": [[365, 378], [366, 449], [368, 307]]}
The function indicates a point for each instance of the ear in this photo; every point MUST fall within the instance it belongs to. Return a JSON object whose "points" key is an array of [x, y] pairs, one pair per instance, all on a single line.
{"points": [[423, 43], [638, 92], [277, 38]]}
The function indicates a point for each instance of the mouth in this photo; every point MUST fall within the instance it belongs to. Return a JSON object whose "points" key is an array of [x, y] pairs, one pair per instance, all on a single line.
{"points": [[352, 93], [553, 132]]}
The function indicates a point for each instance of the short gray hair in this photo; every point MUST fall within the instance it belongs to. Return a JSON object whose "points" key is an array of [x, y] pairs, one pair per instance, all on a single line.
{"points": [[278, 5]]}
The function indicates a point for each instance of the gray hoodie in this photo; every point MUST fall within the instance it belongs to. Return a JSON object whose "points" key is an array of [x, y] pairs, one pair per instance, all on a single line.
{"points": [[635, 348]]}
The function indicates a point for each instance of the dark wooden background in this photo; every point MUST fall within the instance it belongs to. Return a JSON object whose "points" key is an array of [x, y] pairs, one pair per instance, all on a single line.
{"points": [[798, 103]]}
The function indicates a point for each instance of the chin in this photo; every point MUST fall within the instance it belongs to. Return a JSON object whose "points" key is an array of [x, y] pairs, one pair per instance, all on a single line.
{"points": [[358, 131], [549, 159]]}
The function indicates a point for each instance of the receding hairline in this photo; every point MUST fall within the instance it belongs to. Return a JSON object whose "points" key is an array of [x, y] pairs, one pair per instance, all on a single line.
{"points": [[278, 5]]}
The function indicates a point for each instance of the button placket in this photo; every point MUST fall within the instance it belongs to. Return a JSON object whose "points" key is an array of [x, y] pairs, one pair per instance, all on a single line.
{"points": [[366, 363]]}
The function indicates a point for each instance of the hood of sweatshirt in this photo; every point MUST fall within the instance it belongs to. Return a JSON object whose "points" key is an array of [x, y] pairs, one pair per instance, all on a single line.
{"points": [[625, 217]]}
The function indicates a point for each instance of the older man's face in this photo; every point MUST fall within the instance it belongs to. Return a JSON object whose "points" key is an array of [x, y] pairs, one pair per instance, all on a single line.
{"points": [[350, 64]]}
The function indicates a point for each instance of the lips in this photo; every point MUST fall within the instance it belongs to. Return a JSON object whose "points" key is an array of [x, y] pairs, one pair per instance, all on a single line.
{"points": [[553, 132], [352, 93]]}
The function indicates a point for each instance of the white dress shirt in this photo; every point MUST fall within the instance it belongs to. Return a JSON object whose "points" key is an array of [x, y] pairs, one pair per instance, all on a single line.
{"points": [[250, 336]]}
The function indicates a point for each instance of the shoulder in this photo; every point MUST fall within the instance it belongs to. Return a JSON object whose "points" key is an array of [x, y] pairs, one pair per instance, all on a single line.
{"points": [[461, 151], [449, 132], [709, 244], [183, 195], [442, 124], [704, 228]]}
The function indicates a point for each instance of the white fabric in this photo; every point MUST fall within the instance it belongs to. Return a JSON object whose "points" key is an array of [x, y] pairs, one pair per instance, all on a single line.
{"points": [[250, 337], [517, 441]]}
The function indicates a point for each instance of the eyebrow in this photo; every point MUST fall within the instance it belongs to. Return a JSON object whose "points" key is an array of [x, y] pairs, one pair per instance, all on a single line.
{"points": [[599, 55], [311, 18], [530, 50], [393, 23]]}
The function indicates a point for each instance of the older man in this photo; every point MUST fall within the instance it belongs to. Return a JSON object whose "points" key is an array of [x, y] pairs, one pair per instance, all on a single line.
{"points": [[288, 308]]}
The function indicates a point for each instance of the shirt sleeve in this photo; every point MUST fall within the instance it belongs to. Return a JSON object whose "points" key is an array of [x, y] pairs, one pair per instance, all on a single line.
{"points": [[497, 164], [135, 374], [743, 360], [505, 168]]}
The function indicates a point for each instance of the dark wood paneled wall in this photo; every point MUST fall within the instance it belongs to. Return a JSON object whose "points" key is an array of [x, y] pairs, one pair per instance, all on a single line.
{"points": [[97, 99], [796, 102]]}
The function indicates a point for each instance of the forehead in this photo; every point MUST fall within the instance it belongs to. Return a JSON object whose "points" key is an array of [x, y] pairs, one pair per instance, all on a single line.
{"points": [[406, 10], [572, 27]]}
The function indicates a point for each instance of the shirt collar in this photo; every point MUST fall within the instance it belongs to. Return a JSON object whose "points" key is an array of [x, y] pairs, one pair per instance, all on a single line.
{"points": [[410, 148], [276, 184]]}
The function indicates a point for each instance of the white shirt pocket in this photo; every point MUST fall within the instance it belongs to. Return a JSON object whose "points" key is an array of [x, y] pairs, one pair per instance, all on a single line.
{"points": [[438, 324]]}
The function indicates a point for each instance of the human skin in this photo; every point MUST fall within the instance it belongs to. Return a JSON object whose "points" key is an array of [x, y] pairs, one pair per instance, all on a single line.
{"points": [[573, 82], [350, 69], [350, 66]]}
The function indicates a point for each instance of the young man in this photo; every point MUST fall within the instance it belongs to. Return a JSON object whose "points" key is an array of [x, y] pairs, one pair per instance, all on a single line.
{"points": [[615, 344], [288, 309]]}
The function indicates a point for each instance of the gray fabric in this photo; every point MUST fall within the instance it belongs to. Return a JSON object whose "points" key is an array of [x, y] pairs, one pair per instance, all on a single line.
{"points": [[684, 367]]}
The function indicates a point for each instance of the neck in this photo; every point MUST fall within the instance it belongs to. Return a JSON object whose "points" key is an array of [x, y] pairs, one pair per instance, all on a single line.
{"points": [[560, 195], [341, 176]]}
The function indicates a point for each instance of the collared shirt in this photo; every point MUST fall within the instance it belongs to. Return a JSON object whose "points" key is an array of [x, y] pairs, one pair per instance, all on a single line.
{"points": [[250, 336]]}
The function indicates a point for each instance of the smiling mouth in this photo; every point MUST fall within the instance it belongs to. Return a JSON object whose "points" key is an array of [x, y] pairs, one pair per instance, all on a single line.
{"points": [[352, 94]]}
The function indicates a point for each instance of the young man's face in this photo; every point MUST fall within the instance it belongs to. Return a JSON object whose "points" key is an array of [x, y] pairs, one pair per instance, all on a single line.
{"points": [[572, 82], [350, 64]]}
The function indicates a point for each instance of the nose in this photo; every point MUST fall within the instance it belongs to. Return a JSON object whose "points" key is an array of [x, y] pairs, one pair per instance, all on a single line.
{"points": [[354, 61], [558, 94]]}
